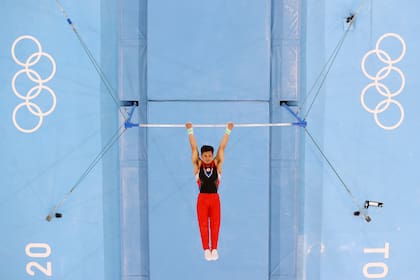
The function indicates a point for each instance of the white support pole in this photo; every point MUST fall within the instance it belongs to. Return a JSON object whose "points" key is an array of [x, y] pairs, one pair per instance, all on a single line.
{"points": [[216, 125]]}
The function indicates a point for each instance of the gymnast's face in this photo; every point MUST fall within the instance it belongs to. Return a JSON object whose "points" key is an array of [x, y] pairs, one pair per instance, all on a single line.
{"points": [[207, 157]]}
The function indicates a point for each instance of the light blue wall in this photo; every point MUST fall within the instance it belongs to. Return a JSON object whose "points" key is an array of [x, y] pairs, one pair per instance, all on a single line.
{"points": [[39, 168], [285, 155], [109, 123], [133, 144], [376, 164]]}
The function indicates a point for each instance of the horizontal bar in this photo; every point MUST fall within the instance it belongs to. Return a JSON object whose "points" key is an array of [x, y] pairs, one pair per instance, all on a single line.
{"points": [[219, 125]]}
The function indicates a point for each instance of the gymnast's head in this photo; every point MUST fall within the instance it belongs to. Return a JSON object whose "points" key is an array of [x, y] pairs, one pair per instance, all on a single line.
{"points": [[207, 153]]}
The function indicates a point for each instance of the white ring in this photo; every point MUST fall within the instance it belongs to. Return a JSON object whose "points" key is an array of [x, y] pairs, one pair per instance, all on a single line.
{"points": [[391, 127], [398, 70], [15, 91], [364, 63], [39, 56], [40, 112], [395, 35], [362, 99], [38, 44], [35, 128]]}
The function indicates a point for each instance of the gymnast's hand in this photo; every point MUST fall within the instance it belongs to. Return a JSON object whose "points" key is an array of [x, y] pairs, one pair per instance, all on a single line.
{"points": [[229, 125]]}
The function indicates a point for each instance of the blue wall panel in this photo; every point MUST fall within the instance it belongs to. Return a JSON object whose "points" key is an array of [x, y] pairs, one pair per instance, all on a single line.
{"points": [[217, 50], [133, 144], [285, 154], [39, 168], [175, 246], [375, 163]]}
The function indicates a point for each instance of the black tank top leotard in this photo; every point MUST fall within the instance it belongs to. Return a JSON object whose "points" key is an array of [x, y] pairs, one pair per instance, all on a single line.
{"points": [[208, 178]]}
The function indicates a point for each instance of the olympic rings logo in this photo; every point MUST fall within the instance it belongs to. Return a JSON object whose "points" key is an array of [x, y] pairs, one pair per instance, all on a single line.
{"points": [[381, 88], [36, 90]]}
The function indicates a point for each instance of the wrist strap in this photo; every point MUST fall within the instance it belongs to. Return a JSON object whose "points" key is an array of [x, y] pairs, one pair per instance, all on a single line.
{"points": [[228, 131], [190, 131]]}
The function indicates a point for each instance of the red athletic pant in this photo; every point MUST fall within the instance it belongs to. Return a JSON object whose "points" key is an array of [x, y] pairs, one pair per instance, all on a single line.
{"points": [[208, 214]]}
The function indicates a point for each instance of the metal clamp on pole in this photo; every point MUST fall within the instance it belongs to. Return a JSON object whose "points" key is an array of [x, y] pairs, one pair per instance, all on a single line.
{"points": [[133, 104], [291, 103]]}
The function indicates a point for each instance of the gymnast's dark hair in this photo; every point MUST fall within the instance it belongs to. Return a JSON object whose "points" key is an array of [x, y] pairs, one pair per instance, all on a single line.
{"points": [[207, 148]]}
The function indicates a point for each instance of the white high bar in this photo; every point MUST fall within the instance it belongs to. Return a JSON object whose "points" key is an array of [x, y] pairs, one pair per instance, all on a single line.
{"points": [[217, 125]]}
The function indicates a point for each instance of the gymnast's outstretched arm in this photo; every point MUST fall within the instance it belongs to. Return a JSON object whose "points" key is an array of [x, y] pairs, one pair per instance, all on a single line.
{"points": [[220, 155], [194, 149]]}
